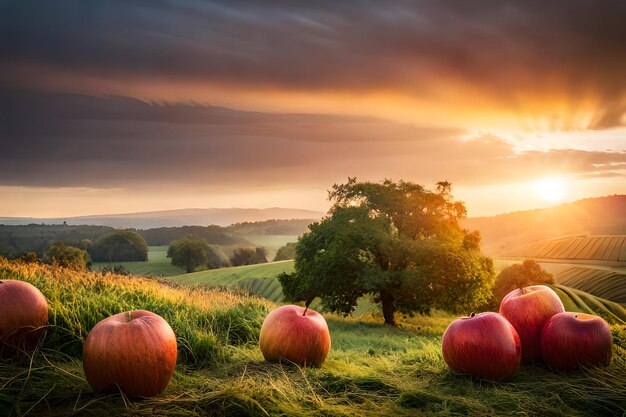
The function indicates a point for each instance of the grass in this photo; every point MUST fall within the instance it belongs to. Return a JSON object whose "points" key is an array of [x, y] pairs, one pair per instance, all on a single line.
{"points": [[372, 370], [580, 301], [258, 279], [157, 264]]}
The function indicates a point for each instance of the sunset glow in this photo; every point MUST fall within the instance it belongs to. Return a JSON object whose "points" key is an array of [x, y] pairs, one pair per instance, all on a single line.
{"points": [[263, 105]]}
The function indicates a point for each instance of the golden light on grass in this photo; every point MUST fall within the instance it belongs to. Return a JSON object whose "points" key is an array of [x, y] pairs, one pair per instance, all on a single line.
{"points": [[552, 189]]}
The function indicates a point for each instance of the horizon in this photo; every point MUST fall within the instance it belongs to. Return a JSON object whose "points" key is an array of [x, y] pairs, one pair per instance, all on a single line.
{"points": [[123, 108], [323, 213]]}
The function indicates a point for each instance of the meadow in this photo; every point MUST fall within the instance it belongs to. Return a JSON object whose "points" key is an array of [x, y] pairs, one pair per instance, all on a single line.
{"points": [[372, 369]]}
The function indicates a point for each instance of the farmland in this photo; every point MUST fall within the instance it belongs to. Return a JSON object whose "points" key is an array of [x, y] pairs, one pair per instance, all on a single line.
{"points": [[609, 250], [603, 283], [372, 370]]}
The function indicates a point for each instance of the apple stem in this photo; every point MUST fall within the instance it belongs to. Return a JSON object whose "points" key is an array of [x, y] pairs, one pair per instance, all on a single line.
{"points": [[473, 314], [129, 316], [306, 307]]}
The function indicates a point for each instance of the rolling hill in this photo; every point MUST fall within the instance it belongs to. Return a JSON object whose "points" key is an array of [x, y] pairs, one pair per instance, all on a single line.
{"points": [[603, 283], [174, 218], [607, 249], [504, 233], [261, 280], [372, 369]]}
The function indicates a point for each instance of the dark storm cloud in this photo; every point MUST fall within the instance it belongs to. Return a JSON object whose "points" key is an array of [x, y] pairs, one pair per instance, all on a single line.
{"points": [[61, 139], [73, 140], [501, 47]]}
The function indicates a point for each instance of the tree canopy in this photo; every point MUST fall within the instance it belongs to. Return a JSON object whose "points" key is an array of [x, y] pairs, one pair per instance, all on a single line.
{"points": [[285, 252], [191, 252], [248, 256], [400, 243], [119, 246], [520, 276], [66, 256]]}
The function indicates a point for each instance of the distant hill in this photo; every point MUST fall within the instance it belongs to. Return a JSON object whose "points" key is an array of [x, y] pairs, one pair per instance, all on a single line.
{"points": [[174, 218], [292, 227], [505, 233]]}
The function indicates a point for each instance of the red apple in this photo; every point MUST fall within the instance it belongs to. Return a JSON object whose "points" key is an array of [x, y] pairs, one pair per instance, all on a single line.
{"points": [[23, 317], [135, 351], [485, 346], [297, 334], [528, 309], [570, 340]]}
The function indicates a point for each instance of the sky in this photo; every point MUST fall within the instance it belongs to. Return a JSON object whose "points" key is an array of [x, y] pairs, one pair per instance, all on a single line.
{"points": [[126, 106]]}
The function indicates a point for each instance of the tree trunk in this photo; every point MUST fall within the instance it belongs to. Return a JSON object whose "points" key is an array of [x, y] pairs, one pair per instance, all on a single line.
{"points": [[387, 301]]}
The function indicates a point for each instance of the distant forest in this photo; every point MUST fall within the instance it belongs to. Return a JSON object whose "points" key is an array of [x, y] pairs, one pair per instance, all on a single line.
{"points": [[18, 240]]}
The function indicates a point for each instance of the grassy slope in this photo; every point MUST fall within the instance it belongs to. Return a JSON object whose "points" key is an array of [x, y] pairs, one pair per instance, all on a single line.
{"points": [[372, 370], [259, 279], [602, 283], [157, 264]]}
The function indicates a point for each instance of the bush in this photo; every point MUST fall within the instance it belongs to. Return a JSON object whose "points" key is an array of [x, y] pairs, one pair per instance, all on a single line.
{"points": [[520, 276], [286, 252], [248, 256], [60, 254]]}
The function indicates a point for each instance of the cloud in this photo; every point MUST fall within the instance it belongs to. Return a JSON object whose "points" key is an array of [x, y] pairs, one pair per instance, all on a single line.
{"points": [[511, 54], [61, 140]]}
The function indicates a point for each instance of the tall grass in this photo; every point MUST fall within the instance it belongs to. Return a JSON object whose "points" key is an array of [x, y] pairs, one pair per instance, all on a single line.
{"points": [[372, 369], [205, 321]]}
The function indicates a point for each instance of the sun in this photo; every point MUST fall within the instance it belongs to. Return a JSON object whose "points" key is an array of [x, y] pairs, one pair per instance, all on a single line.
{"points": [[552, 189]]}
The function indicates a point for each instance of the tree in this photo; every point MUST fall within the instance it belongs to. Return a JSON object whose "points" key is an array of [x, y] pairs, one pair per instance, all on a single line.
{"points": [[216, 258], [519, 276], [287, 251], [248, 256], [120, 246], [29, 258], [71, 257], [400, 243], [188, 252]]}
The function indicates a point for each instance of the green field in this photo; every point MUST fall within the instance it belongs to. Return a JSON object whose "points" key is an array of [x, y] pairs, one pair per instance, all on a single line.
{"points": [[580, 301], [372, 369], [257, 279], [261, 280], [157, 264]]}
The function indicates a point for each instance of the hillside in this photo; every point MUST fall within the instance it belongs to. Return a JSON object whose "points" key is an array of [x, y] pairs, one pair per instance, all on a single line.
{"points": [[16, 240], [291, 227], [215, 235], [372, 369], [607, 284], [592, 216], [174, 218], [610, 250]]}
